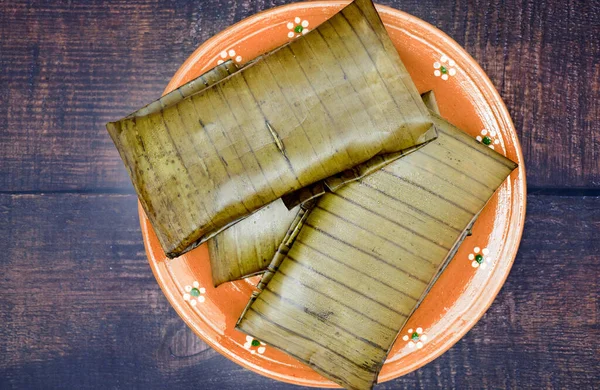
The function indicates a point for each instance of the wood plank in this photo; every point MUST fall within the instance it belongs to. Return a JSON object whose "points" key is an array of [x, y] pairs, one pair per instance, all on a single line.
{"points": [[68, 67], [81, 309]]}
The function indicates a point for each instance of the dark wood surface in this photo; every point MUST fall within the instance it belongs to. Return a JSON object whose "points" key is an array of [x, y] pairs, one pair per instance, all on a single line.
{"points": [[79, 307]]}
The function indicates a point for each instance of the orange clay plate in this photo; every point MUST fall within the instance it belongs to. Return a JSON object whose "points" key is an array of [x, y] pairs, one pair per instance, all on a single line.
{"points": [[464, 291]]}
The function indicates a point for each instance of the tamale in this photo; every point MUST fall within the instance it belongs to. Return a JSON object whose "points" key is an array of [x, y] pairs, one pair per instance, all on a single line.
{"points": [[367, 255], [327, 101], [248, 247], [334, 182]]}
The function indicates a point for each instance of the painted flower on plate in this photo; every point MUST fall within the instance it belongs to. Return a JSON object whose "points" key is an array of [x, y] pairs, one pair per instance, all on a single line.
{"points": [[444, 68], [488, 138], [480, 257], [297, 27], [194, 293], [228, 54], [254, 345], [415, 338]]}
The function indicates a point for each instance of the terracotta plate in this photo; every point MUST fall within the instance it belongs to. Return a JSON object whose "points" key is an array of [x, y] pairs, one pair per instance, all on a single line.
{"points": [[463, 293]]}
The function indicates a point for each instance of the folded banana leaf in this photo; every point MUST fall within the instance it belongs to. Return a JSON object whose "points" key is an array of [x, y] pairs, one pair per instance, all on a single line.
{"points": [[248, 247], [367, 255], [431, 102], [334, 182], [324, 103]]}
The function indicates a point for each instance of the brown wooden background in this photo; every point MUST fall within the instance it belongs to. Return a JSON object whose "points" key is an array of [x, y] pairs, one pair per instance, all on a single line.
{"points": [[79, 307]]}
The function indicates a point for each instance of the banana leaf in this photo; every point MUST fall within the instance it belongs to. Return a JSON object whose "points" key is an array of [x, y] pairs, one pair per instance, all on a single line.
{"points": [[368, 254], [248, 247], [430, 102], [334, 182], [324, 103]]}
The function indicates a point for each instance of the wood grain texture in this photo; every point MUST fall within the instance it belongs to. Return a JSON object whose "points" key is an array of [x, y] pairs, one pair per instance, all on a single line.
{"points": [[68, 67], [81, 309]]}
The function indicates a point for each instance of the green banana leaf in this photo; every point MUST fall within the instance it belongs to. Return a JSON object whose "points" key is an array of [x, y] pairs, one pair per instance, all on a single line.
{"points": [[326, 102]]}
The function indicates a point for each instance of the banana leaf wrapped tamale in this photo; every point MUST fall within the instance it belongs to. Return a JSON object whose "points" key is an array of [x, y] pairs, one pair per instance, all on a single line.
{"points": [[368, 253], [326, 102], [248, 247], [334, 182]]}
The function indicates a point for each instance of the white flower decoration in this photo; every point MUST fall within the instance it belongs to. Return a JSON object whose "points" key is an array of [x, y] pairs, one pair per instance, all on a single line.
{"points": [[252, 343], [444, 68], [297, 28], [194, 293], [488, 138], [416, 337], [227, 54], [479, 258]]}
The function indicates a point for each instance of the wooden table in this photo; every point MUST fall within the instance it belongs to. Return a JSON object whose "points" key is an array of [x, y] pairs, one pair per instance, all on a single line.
{"points": [[79, 307]]}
